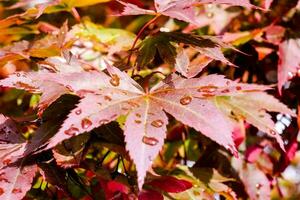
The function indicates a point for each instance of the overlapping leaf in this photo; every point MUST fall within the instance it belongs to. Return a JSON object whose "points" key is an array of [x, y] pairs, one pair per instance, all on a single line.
{"points": [[289, 61], [15, 179], [12, 143], [183, 10], [208, 46], [252, 108]]}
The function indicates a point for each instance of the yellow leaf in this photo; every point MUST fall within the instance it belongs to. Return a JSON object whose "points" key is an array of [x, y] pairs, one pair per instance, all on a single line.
{"points": [[82, 3]]}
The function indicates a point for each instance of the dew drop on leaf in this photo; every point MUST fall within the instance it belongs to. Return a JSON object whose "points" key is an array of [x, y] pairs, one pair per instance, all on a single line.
{"points": [[185, 100], [272, 132], [115, 80], [208, 89], [72, 131], [107, 98], [138, 121], [290, 75], [86, 123], [238, 87], [78, 112], [210, 15], [103, 121], [16, 190], [225, 91], [157, 123], [150, 140], [258, 186]]}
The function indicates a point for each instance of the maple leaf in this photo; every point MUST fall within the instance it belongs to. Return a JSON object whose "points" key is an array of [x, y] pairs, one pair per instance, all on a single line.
{"points": [[15, 178], [12, 143], [289, 61], [183, 10], [208, 46], [187, 68], [216, 17], [244, 3], [70, 153], [256, 183], [252, 108], [191, 101], [15, 181]]}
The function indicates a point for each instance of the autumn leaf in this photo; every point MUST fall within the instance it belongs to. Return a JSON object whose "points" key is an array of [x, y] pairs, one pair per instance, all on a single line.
{"points": [[81, 3], [252, 108], [209, 47], [184, 10], [12, 144], [16, 181], [289, 61], [195, 102], [255, 181]]}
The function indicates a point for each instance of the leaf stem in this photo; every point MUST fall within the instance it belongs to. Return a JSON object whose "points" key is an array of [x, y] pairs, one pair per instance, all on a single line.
{"points": [[139, 35]]}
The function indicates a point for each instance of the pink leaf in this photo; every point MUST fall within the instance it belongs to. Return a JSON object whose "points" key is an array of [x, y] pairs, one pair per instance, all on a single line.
{"points": [[256, 183], [145, 130], [267, 4], [12, 143], [289, 61], [16, 181], [244, 3]]}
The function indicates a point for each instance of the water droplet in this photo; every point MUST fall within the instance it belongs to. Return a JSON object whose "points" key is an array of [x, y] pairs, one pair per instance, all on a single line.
{"points": [[78, 112], [210, 15], [208, 89], [86, 123], [225, 91], [138, 121], [272, 132], [107, 98], [103, 121], [72, 131], [115, 80], [258, 186], [157, 123], [290, 75], [185, 100], [18, 74], [16, 190], [150, 140], [238, 88]]}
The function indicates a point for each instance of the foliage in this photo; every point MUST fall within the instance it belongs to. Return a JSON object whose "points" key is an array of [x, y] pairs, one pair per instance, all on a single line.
{"points": [[163, 99]]}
